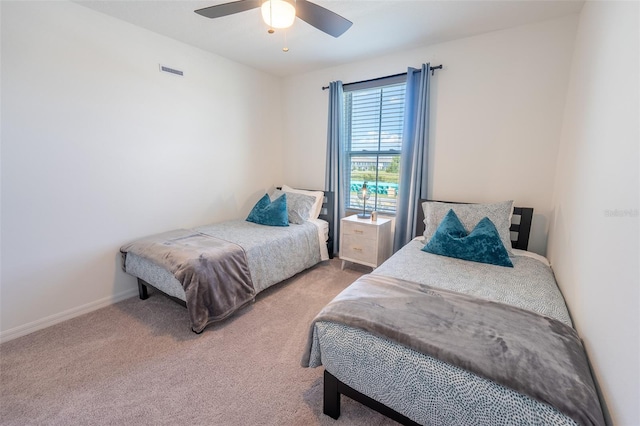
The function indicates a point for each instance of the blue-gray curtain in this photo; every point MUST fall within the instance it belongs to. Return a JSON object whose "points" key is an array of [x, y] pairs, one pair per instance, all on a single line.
{"points": [[336, 160], [413, 159]]}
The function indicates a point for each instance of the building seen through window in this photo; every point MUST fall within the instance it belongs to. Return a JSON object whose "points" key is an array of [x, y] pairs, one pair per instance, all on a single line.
{"points": [[373, 137]]}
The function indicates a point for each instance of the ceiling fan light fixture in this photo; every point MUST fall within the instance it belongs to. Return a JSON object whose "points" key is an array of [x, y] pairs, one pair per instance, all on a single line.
{"points": [[278, 13]]}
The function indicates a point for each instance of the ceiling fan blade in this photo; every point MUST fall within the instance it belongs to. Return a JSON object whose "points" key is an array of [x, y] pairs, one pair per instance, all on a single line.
{"points": [[228, 8], [321, 18]]}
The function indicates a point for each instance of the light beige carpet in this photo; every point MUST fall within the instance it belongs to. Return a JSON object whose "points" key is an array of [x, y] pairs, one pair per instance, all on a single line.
{"points": [[138, 363]]}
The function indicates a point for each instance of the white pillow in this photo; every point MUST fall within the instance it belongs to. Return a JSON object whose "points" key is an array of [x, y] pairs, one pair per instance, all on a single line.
{"points": [[319, 196], [299, 206]]}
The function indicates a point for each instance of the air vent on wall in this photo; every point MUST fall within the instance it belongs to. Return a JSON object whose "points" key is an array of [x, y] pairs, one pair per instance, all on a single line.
{"points": [[164, 68]]}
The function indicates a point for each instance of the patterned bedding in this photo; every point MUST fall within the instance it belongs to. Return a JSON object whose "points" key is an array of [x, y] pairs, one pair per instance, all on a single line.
{"points": [[273, 253], [426, 389], [530, 284]]}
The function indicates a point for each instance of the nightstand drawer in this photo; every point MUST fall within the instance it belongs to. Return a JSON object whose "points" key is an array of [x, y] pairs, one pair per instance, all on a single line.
{"points": [[357, 248], [360, 230], [365, 241]]}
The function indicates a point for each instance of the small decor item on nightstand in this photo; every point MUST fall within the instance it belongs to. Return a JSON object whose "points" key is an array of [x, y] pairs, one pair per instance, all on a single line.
{"points": [[364, 195], [374, 216]]}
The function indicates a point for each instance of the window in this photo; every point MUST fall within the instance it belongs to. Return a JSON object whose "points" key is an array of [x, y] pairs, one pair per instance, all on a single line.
{"points": [[373, 120]]}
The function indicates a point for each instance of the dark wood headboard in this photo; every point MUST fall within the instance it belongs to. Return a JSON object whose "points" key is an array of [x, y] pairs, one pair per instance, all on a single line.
{"points": [[326, 213], [520, 224]]}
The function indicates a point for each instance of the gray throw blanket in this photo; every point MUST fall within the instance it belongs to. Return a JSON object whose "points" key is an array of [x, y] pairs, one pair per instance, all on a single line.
{"points": [[213, 272], [529, 353]]}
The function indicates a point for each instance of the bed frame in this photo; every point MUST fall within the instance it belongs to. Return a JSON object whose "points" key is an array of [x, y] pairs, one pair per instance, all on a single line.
{"points": [[327, 214], [333, 388]]}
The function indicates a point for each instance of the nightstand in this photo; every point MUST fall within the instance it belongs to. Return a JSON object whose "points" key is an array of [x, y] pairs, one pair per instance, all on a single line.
{"points": [[364, 241]]}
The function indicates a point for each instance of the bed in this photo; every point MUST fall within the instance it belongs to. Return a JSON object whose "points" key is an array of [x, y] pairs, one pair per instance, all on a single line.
{"points": [[442, 379], [216, 269]]}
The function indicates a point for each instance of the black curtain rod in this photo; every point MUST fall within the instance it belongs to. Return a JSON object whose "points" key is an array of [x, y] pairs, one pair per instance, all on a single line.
{"points": [[432, 69]]}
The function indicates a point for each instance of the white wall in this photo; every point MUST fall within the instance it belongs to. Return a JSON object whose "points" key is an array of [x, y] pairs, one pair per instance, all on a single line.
{"points": [[496, 115], [99, 148], [593, 240]]}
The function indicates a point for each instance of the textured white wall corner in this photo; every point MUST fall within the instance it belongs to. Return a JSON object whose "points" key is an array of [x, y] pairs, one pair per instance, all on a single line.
{"points": [[593, 239]]}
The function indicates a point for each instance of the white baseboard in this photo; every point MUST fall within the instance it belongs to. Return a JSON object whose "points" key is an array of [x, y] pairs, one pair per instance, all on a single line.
{"points": [[28, 328]]}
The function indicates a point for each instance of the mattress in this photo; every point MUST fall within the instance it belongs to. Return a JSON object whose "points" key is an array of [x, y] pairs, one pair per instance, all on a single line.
{"points": [[426, 389], [273, 253]]}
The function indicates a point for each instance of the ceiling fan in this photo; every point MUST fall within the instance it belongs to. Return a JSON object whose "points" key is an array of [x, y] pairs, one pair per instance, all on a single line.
{"points": [[282, 13]]}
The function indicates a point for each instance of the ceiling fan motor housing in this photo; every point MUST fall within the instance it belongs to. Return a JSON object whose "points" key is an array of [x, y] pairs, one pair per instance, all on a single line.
{"points": [[317, 16], [278, 13]]}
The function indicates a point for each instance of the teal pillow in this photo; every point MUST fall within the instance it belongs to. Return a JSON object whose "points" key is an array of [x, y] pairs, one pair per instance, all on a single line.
{"points": [[483, 244], [271, 213]]}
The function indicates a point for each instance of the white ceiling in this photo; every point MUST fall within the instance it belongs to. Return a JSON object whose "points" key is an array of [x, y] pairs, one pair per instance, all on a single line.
{"points": [[379, 27]]}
